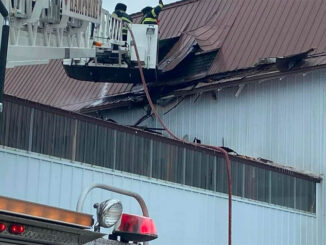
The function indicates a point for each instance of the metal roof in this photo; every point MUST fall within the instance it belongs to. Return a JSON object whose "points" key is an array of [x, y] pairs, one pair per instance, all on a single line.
{"points": [[48, 84], [243, 32], [269, 29]]}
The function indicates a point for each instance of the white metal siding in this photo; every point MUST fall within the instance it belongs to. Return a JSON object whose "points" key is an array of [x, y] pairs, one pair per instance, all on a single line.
{"points": [[183, 215], [282, 119]]}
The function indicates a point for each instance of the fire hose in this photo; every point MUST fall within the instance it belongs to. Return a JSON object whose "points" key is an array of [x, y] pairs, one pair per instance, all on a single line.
{"points": [[215, 148]]}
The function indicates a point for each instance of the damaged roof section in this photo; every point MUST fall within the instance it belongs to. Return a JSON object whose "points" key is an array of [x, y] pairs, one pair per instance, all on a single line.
{"points": [[178, 53], [222, 42], [246, 31], [201, 41]]}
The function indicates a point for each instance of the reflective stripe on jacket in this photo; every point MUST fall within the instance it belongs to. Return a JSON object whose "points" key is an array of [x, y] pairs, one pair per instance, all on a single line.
{"points": [[152, 16], [125, 19]]}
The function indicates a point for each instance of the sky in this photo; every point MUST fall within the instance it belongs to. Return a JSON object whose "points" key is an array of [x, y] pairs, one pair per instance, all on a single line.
{"points": [[133, 5]]}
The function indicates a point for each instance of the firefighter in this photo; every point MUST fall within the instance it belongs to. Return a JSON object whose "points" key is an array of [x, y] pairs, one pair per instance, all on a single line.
{"points": [[151, 14], [120, 12]]}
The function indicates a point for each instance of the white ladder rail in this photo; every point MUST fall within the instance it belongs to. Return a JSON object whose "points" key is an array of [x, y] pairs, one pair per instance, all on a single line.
{"points": [[39, 33]]}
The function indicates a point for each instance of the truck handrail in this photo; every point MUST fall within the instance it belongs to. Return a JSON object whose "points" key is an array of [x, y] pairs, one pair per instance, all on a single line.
{"points": [[84, 194]]}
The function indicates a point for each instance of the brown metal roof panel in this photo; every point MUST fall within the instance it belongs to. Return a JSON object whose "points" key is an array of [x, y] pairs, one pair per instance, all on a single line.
{"points": [[116, 88], [176, 21], [209, 10], [22, 73], [320, 39], [269, 30], [196, 18], [296, 18], [220, 61], [305, 26], [50, 79], [220, 12], [184, 18], [317, 33], [298, 30], [27, 88], [92, 91], [126, 88], [68, 87], [232, 38], [259, 30], [86, 93], [213, 37], [251, 19], [165, 22], [288, 25], [62, 84], [185, 25], [109, 89]]}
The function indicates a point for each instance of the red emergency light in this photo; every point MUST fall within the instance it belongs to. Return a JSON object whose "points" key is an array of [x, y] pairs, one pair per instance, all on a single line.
{"points": [[16, 229], [135, 228], [2, 227]]}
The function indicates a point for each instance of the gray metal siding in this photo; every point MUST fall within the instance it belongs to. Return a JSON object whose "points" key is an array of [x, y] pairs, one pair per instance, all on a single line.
{"points": [[281, 119], [183, 215]]}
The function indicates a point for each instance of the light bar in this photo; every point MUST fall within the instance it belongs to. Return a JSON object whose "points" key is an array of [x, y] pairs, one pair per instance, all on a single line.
{"points": [[34, 210]]}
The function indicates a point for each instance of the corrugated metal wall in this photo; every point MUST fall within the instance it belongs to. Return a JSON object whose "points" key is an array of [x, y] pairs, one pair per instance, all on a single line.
{"points": [[45, 130], [183, 215], [281, 119]]}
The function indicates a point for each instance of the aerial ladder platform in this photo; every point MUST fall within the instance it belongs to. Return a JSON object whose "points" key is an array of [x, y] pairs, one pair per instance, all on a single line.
{"points": [[85, 36]]}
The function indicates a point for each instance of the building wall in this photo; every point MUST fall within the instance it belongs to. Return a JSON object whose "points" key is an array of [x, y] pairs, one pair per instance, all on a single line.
{"points": [[183, 215], [281, 119]]}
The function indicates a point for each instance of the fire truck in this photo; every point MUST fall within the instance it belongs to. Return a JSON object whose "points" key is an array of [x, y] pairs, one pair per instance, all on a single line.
{"points": [[24, 222], [89, 41]]}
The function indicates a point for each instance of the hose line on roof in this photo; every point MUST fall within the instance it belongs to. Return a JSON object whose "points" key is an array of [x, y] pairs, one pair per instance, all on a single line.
{"points": [[215, 148]]}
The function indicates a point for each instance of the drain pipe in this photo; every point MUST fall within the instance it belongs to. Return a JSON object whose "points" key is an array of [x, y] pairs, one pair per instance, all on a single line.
{"points": [[3, 50]]}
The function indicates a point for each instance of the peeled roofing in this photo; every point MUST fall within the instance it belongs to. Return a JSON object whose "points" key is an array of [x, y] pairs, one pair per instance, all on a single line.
{"points": [[243, 31]]}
